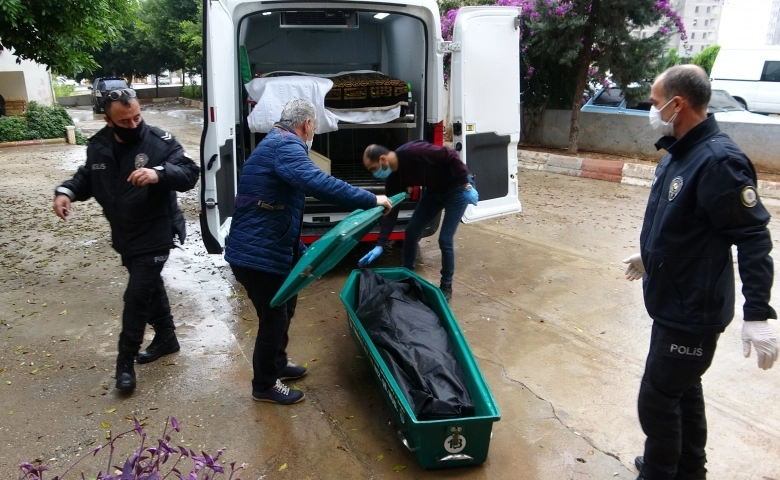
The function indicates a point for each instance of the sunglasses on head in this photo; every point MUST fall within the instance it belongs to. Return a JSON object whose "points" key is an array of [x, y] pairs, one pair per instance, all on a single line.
{"points": [[119, 93]]}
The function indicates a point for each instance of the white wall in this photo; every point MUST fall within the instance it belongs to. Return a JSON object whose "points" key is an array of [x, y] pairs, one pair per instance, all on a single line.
{"points": [[29, 81]]}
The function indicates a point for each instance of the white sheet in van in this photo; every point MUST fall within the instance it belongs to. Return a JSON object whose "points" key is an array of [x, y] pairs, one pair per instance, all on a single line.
{"points": [[370, 117], [272, 94]]}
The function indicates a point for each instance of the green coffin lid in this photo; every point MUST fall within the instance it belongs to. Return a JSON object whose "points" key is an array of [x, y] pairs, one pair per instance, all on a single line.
{"points": [[328, 251]]}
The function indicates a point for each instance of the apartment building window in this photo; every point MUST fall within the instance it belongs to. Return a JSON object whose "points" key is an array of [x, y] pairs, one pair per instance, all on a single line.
{"points": [[695, 21], [696, 10], [706, 23], [693, 35], [644, 34], [708, 9], [704, 36], [701, 48]]}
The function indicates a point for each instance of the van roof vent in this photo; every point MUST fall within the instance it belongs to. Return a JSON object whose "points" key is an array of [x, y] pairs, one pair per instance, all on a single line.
{"points": [[319, 19]]}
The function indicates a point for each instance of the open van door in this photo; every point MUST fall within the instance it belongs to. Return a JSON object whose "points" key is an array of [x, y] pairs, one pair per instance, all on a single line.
{"points": [[485, 104], [219, 175]]}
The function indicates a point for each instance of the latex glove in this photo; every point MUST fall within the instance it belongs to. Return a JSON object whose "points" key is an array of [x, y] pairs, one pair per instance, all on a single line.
{"points": [[764, 338], [370, 256], [471, 195], [635, 269]]}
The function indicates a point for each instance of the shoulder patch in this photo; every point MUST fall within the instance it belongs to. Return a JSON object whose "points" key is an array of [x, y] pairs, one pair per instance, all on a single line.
{"points": [[749, 197], [162, 134]]}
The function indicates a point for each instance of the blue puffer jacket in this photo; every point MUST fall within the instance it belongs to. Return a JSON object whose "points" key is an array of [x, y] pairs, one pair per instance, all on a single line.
{"points": [[274, 183]]}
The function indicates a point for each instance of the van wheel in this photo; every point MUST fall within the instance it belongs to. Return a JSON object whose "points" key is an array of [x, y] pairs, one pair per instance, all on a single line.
{"points": [[741, 102]]}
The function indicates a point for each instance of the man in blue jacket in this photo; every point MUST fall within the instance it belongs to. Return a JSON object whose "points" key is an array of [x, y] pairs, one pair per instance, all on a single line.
{"points": [[703, 200], [134, 170], [448, 188], [264, 240]]}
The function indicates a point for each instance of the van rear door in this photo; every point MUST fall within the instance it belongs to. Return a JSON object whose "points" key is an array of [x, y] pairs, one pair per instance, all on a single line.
{"points": [[485, 104], [219, 175]]}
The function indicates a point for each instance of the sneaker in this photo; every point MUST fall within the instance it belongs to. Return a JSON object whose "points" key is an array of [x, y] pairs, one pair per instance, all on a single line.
{"points": [[291, 371], [447, 291], [279, 393]]}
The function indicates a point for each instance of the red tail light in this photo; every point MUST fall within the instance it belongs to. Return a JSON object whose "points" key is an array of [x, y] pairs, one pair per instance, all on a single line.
{"points": [[415, 193], [438, 134], [213, 114]]}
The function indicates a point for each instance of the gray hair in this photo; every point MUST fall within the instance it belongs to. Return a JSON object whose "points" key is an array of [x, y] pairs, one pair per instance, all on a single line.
{"points": [[690, 82], [298, 111]]}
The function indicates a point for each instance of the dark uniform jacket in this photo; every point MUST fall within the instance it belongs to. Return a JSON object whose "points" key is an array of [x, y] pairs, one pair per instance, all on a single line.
{"points": [[143, 219], [703, 200]]}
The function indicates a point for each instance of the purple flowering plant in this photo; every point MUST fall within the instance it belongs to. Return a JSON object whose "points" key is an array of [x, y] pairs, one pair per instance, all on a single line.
{"points": [[148, 462]]}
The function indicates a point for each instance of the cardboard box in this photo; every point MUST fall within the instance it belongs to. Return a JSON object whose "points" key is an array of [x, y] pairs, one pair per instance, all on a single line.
{"points": [[320, 160]]}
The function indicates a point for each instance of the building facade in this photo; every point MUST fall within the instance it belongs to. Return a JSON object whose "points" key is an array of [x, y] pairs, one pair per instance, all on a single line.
{"points": [[702, 20], [23, 82]]}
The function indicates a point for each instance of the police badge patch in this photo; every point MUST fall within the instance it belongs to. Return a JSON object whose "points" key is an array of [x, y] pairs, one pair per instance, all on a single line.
{"points": [[675, 187], [140, 160], [749, 197]]}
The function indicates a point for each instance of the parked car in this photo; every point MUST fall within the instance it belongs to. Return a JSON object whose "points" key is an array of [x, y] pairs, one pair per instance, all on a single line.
{"points": [[62, 80], [163, 79], [99, 89], [722, 105]]}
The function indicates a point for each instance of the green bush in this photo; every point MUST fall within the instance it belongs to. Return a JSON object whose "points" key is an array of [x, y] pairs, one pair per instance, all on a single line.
{"points": [[81, 139], [12, 129], [46, 122], [191, 91], [64, 90]]}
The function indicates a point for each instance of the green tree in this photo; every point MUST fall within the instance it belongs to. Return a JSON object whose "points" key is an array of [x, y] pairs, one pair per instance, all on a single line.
{"points": [[706, 58], [60, 33], [669, 60]]}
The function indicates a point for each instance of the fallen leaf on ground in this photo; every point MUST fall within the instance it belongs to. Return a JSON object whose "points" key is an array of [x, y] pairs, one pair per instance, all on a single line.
{"points": [[111, 410], [105, 424], [64, 312], [379, 457], [283, 467], [399, 468]]}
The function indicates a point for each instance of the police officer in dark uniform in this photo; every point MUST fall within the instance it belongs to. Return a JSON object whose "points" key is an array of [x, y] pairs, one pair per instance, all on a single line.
{"points": [[703, 200], [134, 171]]}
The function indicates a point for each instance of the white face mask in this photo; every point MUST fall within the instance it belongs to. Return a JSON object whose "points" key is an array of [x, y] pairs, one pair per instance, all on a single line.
{"points": [[664, 128], [309, 143]]}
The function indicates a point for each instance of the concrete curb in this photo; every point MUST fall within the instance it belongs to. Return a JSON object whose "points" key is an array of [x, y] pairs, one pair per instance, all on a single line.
{"points": [[191, 103], [608, 170], [30, 143]]}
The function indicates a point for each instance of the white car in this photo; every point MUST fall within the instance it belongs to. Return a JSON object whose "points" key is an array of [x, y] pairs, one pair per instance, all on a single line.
{"points": [[62, 80]]}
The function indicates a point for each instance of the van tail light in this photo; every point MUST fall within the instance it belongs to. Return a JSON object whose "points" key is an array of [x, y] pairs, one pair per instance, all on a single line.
{"points": [[438, 134], [213, 112], [415, 193]]}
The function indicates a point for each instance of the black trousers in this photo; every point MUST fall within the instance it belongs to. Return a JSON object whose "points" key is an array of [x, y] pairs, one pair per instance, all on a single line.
{"points": [[146, 301], [671, 404], [270, 354]]}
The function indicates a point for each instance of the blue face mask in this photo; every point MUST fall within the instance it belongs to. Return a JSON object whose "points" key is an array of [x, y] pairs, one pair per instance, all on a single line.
{"points": [[383, 173]]}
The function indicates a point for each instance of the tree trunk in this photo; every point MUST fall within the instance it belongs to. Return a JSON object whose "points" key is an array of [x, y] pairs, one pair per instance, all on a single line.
{"points": [[574, 125]]}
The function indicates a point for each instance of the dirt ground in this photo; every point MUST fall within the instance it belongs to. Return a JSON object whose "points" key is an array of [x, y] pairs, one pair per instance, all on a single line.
{"points": [[558, 333]]}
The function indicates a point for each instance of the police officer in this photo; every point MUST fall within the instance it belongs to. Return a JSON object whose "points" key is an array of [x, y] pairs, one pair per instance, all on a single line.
{"points": [[134, 171], [703, 200]]}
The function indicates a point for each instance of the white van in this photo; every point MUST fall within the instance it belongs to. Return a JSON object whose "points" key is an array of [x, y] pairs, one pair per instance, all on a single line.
{"points": [[397, 42], [750, 75]]}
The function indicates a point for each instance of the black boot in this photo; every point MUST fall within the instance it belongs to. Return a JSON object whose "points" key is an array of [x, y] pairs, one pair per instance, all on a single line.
{"points": [[125, 373], [163, 343]]}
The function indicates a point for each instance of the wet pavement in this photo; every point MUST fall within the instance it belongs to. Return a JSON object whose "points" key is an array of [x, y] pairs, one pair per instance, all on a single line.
{"points": [[559, 335]]}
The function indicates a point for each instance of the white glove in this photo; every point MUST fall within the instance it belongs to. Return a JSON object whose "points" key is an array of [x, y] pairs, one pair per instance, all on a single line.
{"points": [[764, 338], [635, 269]]}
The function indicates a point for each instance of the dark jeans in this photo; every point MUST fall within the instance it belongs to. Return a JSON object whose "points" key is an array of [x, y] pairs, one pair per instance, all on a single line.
{"points": [[454, 203], [145, 300], [270, 354], [671, 404]]}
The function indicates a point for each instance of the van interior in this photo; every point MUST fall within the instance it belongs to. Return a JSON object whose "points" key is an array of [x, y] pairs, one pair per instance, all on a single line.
{"points": [[328, 42]]}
